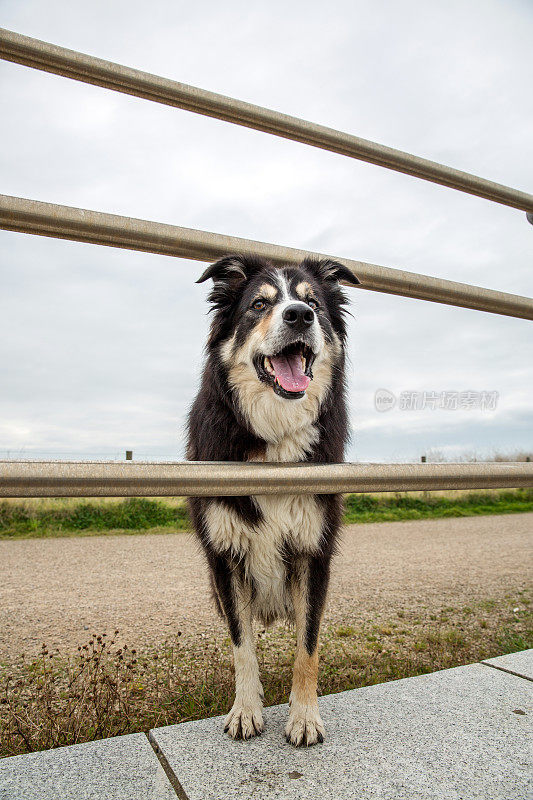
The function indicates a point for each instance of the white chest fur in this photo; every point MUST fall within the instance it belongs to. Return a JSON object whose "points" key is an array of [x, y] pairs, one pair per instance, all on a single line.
{"points": [[294, 520], [291, 522]]}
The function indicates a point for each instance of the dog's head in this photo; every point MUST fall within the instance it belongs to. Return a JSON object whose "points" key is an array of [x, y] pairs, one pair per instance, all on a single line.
{"points": [[279, 332]]}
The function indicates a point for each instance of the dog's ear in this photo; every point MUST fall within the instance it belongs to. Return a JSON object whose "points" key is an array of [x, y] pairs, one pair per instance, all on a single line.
{"points": [[229, 275], [231, 270], [326, 269]]}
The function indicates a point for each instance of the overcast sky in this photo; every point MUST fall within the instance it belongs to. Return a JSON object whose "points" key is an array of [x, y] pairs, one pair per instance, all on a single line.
{"points": [[101, 349]]}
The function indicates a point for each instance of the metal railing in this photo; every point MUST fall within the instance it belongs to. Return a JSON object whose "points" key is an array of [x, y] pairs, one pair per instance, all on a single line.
{"points": [[82, 225], [82, 67], [197, 478], [55, 479]]}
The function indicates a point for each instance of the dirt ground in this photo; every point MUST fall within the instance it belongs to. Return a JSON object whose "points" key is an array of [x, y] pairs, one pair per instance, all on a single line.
{"points": [[60, 591]]}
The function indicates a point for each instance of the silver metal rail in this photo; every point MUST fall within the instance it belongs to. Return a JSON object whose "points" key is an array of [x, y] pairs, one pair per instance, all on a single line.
{"points": [[203, 478], [81, 67], [65, 222]]}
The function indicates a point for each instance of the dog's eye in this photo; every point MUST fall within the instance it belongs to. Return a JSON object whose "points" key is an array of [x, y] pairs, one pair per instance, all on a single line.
{"points": [[258, 305], [312, 304]]}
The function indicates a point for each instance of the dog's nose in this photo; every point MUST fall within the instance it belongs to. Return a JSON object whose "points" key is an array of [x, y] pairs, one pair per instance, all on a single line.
{"points": [[299, 316]]}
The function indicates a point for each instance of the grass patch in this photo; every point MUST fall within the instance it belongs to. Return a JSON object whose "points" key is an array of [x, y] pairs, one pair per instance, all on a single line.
{"points": [[59, 518], [110, 689], [51, 518], [385, 508]]}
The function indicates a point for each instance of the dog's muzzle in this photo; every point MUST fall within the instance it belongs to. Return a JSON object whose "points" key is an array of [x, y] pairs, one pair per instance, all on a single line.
{"points": [[289, 371]]}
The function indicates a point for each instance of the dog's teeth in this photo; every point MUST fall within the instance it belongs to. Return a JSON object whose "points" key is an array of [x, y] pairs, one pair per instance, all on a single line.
{"points": [[268, 366], [303, 363]]}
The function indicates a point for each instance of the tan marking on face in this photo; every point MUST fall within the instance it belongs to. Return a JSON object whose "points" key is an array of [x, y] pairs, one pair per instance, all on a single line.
{"points": [[303, 290], [263, 327], [266, 290]]}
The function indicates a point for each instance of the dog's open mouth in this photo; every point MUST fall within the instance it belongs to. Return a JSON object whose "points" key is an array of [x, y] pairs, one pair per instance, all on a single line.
{"points": [[289, 371]]}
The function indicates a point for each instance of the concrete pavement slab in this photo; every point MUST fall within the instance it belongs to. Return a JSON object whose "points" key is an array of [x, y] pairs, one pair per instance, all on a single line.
{"points": [[122, 768], [520, 663], [458, 734]]}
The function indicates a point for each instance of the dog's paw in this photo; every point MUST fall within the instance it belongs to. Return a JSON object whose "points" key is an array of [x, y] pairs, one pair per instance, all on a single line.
{"points": [[304, 726], [244, 720]]}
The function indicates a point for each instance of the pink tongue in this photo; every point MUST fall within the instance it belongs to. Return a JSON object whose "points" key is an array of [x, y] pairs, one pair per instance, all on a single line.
{"points": [[289, 372]]}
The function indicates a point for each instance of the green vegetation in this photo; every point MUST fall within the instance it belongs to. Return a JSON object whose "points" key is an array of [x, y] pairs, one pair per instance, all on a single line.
{"points": [[386, 508], [43, 518], [29, 519], [108, 688]]}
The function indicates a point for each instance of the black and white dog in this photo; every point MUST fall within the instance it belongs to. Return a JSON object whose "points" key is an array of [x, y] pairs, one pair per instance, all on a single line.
{"points": [[272, 390]]}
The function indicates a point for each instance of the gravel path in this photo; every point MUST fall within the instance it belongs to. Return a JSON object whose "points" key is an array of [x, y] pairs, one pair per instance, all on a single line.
{"points": [[150, 586]]}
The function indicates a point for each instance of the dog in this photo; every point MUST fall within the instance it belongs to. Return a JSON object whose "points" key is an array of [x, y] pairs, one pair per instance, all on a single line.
{"points": [[272, 389]]}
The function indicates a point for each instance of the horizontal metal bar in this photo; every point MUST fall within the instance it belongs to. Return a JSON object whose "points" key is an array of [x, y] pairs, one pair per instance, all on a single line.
{"points": [[65, 222], [203, 478], [81, 67]]}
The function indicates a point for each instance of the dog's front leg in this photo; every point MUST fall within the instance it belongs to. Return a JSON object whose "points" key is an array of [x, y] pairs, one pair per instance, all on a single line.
{"points": [[308, 589], [245, 718]]}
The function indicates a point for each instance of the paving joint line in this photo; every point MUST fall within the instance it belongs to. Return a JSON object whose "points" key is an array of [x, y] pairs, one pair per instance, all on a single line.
{"points": [[508, 671], [174, 782]]}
